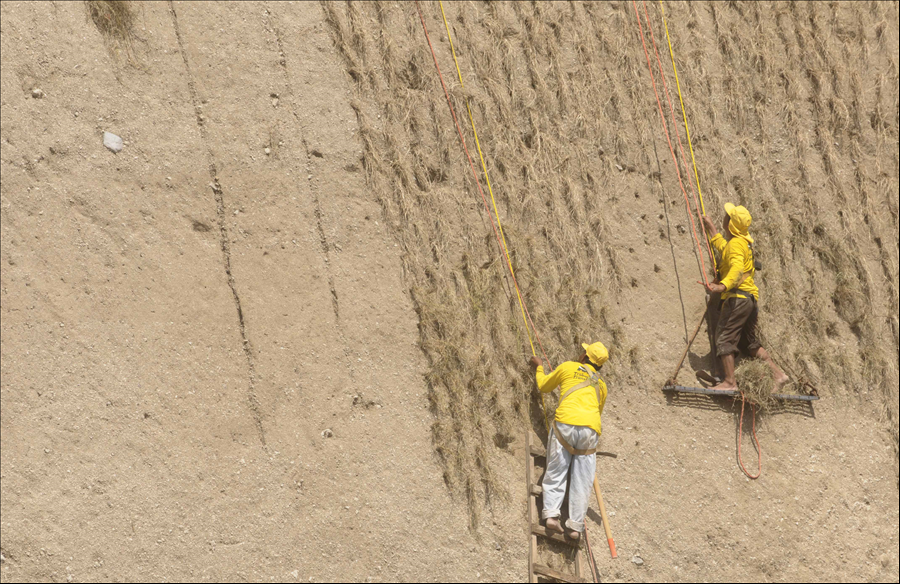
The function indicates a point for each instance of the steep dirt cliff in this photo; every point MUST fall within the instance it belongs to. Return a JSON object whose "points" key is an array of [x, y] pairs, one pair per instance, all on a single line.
{"points": [[272, 337]]}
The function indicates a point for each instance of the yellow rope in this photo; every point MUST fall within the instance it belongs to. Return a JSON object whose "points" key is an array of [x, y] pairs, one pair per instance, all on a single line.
{"points": [[491, 191], [684, 116], [486, 177]]}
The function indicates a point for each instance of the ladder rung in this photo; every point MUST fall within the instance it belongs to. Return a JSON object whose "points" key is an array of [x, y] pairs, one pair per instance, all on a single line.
{"points": [[542, 531], [555, 574]]}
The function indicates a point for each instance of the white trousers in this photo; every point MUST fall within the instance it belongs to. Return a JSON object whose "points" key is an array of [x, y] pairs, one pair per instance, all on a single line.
{"points": [[559, 461]]}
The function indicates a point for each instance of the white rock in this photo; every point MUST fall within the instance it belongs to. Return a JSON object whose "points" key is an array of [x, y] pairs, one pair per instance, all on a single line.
{"points": [[637, 560], [112, 141]]}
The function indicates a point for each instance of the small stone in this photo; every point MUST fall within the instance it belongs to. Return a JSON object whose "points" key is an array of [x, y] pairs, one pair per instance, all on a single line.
{"points": [[112, 142], [274, 102], [267, 150], [36, 93], [295, 574], [637, 560], [327, 433], [620, 168], [885, 560], [497, 547], [2, 558]]}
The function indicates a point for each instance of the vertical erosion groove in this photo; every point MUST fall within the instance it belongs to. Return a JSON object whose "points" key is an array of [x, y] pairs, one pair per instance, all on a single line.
{"points": [[223, 234]]}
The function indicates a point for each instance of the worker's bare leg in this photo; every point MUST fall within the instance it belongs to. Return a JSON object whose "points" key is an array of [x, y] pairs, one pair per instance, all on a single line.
{"points": [[728, 384], [777, 374]]}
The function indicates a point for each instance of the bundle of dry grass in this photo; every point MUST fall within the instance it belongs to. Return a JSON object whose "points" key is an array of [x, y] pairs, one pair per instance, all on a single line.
{"points": [[754, 378]]}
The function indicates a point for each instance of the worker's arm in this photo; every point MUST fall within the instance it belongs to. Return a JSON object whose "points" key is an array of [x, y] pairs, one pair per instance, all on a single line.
{"points": [[545, 383], [715, 238], [735, 266]]}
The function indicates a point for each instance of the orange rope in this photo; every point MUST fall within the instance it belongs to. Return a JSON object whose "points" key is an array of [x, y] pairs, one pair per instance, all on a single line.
{"points": [[662, 118], [690, 213], [477, 180], [487, 177], [694, 191], [755, 439]]}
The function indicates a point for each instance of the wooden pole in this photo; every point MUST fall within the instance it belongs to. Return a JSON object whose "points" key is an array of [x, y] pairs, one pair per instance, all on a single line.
{"points": [[686, 349], [609, 537]]}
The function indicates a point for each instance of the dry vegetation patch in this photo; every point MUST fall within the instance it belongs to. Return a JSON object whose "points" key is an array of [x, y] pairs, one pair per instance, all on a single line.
{"points": [[754, 378], [561, 100], [115, 19]]}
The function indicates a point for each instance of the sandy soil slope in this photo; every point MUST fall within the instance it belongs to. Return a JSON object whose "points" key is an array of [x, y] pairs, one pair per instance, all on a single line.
{"points": [[270, 338]]}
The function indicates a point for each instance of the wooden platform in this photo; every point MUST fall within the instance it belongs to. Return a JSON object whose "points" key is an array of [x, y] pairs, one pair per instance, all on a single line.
{"points": [[704, 391]]}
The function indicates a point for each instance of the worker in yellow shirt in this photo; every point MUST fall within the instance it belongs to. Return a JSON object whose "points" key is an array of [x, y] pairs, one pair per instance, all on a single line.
{"points": [[574, 435], [735, 326]]}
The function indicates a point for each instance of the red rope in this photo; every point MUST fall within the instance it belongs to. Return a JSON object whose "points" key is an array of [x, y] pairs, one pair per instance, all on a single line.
{"points": [[587, 542], [675, 125], [755, 439], [662, 118], [477, 180]]}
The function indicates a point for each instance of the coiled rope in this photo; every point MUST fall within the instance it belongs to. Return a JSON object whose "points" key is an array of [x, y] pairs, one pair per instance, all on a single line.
{"points": [[755, 439]]}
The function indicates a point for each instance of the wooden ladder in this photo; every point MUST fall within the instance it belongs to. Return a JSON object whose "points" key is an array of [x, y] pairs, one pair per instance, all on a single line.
{"points": [[536, 570]]}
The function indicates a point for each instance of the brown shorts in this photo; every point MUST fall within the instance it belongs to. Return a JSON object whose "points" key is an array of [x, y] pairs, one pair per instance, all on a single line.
{"points": [[736, 327]]}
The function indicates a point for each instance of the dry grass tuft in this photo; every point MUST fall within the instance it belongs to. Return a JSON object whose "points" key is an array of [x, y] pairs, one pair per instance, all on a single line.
{"points": [[754, 378], [115, 20]]}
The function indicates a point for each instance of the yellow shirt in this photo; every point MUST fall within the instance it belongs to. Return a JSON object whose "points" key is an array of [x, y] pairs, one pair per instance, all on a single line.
{"points": [[737, 261], [579, 408]]}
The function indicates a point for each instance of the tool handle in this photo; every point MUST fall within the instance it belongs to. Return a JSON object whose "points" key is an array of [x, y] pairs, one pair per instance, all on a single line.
{"points": [[688, 348], [609, 537]]}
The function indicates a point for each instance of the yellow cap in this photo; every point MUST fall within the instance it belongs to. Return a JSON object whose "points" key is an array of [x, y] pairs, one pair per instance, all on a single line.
{"points": [[596, 352], [740, 221]]}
